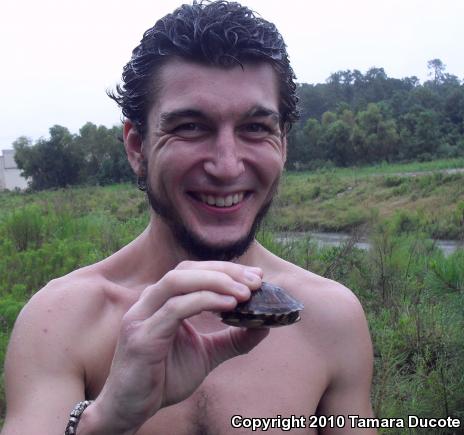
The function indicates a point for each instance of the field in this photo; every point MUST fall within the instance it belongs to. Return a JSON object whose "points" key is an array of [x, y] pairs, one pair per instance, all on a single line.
{"points": [[412, 294], [419, 197]]}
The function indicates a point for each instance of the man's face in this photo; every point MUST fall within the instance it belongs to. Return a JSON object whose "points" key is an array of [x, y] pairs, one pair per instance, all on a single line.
{"points": [[214, 152]]}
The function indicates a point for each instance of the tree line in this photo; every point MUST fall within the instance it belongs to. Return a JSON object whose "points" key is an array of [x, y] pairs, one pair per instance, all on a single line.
{"points": [[357, 119], [95, 155], [352, 119]]}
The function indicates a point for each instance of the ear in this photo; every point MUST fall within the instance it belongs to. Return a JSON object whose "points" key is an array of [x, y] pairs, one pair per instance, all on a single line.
{"points": [[284, 147], [133, 145]]}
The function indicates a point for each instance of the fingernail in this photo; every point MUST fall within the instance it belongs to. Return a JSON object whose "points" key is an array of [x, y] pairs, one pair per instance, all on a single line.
{"points": [[252, 276], [242, 289], [229, 299]]}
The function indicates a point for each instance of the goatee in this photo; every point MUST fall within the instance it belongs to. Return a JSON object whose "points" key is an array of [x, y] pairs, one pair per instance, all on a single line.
{"points": [[195, 247]]}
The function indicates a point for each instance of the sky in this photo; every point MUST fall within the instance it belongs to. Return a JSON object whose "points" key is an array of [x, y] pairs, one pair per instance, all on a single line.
{"points": [[58, 57]]}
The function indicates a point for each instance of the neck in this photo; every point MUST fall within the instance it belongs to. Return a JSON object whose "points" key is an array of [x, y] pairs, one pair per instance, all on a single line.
{"points": [[154, 252]]}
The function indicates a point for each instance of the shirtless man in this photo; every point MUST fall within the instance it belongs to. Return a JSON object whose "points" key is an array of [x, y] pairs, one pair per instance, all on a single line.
{"points": [[208, 98]]}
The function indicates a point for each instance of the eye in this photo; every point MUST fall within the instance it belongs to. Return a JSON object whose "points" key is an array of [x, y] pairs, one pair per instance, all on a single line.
{"points": [[189, 126], [256, 127], [190, 129], [256, 130]]}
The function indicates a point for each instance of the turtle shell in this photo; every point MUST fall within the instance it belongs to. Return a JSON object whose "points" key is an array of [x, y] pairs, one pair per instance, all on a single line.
{"points": [[269, 306]]}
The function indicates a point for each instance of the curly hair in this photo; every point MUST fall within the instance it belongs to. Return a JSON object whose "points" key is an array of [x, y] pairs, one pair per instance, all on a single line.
{"points": [[218, 33]]}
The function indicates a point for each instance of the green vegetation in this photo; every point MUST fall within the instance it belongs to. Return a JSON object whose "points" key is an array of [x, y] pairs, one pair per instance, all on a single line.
{"points": [[413, 298], [94, 156], [343, 199], [353, 119], [356, 119], [412, 294]]}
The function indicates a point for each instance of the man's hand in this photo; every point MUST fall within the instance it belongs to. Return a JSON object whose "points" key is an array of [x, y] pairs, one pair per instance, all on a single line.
{"points": [[160, 358]]}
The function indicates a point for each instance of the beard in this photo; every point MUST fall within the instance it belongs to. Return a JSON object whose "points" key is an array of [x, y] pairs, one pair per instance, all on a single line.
{"points": [[194, 246]]}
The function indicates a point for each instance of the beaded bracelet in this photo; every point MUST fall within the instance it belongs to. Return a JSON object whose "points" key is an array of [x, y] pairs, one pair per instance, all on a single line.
{"points": [[75, 416]]}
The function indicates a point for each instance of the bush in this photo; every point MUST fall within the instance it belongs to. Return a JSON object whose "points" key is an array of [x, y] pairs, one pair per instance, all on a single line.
{"points": [[25, 227]]}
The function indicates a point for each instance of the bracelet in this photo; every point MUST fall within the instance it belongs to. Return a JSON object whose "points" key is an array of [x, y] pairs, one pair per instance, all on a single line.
{"points": [[75, 416]]}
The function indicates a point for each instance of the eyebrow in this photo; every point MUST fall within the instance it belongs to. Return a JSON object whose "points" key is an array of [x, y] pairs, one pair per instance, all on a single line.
{"points": [[261, 111]]}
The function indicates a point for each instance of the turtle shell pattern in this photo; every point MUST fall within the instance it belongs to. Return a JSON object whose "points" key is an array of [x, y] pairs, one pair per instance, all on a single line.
{"points": [[268, 307]]}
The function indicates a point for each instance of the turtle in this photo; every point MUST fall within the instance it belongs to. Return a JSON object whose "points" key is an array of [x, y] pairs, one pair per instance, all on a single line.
{"points": [[268, 307]]}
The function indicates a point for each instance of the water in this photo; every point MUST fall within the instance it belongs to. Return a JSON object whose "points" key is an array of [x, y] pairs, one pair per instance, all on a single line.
{"points": [[336, 239]]}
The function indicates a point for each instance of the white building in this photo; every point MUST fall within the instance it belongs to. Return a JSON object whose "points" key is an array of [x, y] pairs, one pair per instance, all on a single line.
{"points": [[10, 175]]}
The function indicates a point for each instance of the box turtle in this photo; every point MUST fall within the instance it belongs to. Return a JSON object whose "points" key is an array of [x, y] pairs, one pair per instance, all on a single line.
{"points": [[268, 307]]}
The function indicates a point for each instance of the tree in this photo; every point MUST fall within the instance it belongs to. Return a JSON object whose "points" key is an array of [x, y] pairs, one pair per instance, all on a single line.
{"points": [[53, 162], [328, 118], [24, 155], [420, 134], [437, 70], [454, 110], [313, 102], [312, 134], [294, 148], [104, 155], [376, 137], [337, 139]]}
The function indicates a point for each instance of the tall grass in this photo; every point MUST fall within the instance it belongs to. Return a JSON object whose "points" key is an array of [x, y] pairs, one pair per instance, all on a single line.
{"points": [[395, 168], [413, 295], [337, 201]]}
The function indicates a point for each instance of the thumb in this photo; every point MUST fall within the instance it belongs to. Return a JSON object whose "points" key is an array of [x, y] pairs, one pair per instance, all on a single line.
{"points": [[232, 342]]}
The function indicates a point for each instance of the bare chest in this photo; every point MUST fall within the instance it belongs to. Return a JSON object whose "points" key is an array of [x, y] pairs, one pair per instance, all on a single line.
{"points": [[277, 385], [233, 402]]}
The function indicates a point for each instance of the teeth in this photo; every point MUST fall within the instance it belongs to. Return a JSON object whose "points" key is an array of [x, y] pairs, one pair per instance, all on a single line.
{"points": [[221, 201]]}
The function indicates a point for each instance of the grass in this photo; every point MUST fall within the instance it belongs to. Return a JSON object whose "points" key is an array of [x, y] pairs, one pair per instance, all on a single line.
{"points": [[342, 199], [413, 295], [389, 168]]}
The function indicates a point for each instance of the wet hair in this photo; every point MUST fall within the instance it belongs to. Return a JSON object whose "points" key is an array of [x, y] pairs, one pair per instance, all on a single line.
{"points": [[219, 33]]}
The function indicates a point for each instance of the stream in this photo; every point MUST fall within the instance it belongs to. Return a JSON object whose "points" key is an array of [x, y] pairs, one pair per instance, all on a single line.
{"points": [[336, 239]]}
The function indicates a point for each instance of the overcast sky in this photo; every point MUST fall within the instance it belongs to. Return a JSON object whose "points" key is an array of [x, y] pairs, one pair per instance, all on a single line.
{"points": [[59, 56]]}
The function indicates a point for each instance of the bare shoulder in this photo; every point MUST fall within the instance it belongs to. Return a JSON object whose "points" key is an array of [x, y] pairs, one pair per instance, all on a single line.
{"points": [[326, 301], [58, 317], [72, 299], [333, 318], [334, 325]]}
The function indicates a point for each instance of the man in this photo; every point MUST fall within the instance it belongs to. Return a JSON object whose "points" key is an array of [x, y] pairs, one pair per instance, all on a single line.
{"points": [[208, 97]]}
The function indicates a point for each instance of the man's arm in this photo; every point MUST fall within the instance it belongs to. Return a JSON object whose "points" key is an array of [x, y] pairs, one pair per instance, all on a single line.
{"points": [[351, 363], [160, 359], [43, 377]]}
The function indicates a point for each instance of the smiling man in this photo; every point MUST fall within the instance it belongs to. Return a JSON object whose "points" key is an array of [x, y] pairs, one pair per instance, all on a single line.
{"points": [[135, 340], [216, 153]]}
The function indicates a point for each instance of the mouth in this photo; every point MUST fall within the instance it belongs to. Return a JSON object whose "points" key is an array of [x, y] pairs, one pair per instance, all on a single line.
{"points": [[220, 201]]}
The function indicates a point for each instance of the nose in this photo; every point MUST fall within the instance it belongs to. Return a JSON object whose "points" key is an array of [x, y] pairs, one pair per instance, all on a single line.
{"points": [[226, 161]]}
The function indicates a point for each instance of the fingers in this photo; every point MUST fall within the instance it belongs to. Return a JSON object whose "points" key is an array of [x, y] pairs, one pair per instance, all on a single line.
{"points": [[247, 275], [166, 320], [233, 269], [232, 342], [214, 276]]}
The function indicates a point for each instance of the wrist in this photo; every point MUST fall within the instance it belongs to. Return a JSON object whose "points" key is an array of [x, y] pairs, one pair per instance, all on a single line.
{"points": [[93, 422]]}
